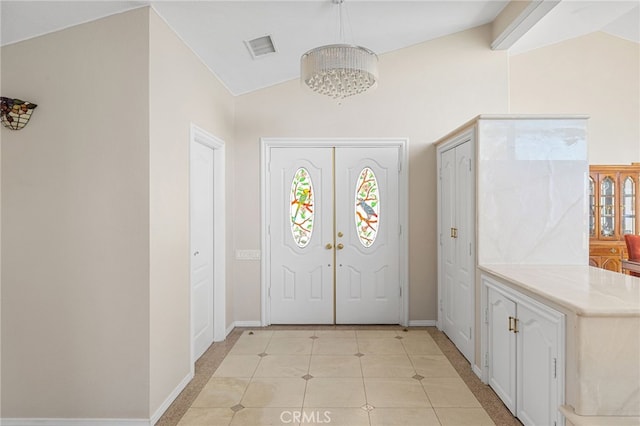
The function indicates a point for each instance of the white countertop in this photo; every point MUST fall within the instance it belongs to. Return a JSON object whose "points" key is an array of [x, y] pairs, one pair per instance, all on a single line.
{"points": [[585, 290]]}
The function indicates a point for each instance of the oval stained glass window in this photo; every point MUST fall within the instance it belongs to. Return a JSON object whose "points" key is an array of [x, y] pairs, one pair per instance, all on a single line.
{"points": [[367, 207], [301, 207]]}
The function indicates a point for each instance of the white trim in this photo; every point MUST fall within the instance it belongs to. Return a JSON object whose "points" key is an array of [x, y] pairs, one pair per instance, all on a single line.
{"points": [[254, 323], [198, 135], [230, 329], [478, 372], [422, 323], [172, 396], [403, 214], [25, 421]]}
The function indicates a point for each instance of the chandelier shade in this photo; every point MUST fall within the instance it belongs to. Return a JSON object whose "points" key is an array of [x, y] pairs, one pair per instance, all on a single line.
{"points": [[339, 70]]}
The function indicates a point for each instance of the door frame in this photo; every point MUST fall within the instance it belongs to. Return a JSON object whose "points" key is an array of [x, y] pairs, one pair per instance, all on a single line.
{"points": [[201, 136], [403, 213]]}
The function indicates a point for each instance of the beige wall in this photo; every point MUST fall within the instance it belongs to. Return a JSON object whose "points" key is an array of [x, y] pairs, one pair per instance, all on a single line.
{"points": [[425, 91], [182, 90], [596, 74], [75, 204]]}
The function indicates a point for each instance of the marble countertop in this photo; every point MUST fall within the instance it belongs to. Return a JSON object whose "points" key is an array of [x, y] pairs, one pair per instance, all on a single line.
{"points": [[585, 290]]}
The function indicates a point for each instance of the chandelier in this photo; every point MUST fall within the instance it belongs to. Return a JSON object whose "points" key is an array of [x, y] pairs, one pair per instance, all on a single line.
{"points": [[339, 70]]}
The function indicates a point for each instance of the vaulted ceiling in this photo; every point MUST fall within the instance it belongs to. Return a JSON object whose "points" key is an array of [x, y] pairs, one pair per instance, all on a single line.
{"points": [[217, 30]]}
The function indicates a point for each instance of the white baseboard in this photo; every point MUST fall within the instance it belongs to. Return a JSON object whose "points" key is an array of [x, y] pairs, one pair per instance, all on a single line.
{"points": [[73, 422], [172, 396], [422, 323], [248, 324], [230, 329], [478, 371]]}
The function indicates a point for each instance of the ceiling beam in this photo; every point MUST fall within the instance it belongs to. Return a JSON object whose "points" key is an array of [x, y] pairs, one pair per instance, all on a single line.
{"points": [[516, 19]]}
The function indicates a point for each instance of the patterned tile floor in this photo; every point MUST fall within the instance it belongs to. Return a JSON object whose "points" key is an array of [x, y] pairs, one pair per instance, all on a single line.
{"points": [[336, 376]]}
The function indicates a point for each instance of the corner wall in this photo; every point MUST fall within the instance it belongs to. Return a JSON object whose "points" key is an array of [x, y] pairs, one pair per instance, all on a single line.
{"points": [[182, 91], [75, 221]]}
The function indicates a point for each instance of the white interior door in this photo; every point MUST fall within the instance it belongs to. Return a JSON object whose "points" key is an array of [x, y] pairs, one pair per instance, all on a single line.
{"points": [[333, 235], [367, 239], [202, 270], [457, 227]]}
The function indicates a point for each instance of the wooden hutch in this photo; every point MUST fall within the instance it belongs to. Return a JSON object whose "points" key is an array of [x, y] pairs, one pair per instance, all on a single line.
{"points": [[613, 211]]}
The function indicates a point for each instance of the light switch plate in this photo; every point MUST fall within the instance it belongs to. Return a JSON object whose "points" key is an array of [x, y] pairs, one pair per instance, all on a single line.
{"points": [[248, 254]]}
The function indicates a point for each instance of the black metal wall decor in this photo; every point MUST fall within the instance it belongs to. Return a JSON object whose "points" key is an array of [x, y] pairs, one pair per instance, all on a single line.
{"points": [[15, 113]]}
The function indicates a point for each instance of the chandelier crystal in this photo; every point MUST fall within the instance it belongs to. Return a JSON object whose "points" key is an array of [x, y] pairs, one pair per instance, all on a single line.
{"points": [[339, 70]]}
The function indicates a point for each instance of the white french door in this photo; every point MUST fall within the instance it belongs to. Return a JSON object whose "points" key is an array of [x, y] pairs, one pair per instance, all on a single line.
{"points": [[333, 235]]}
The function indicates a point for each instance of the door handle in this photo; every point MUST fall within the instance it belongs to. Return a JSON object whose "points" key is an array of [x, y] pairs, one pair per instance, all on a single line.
{"points": [[196, 253], [329, 246], [340, 246]]}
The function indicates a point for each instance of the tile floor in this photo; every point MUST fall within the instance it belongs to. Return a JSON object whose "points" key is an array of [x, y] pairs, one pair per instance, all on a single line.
{"points": [[335, 377]]}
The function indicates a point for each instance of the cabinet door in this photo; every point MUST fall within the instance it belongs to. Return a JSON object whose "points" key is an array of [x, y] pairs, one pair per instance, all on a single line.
{"points": [[502, 348], [538, 394], [608, 205], [629, 203]]}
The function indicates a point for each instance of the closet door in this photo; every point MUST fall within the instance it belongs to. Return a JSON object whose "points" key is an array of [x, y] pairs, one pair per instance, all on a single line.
{"points": [[457, 215]]}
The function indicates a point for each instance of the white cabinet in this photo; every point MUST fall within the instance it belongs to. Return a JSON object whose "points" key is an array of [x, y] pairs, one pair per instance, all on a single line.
{"points": [[456, 215], [524, 354]]}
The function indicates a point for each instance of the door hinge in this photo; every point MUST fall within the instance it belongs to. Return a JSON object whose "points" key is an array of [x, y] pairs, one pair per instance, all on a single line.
{"points": [[400, 291], [440, 173], [440, 238], [399, 165], [469, 164], [486, 359], [555, 368], [268, 229], [469, 249], [269, 292], [399, 229], [470, 333], [486, 315], [440, 304]]}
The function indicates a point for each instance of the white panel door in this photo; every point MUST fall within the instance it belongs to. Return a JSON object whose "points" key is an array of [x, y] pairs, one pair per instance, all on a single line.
{"points": [[457, 219], [367, 236], [202, 271], [537, 373], [331, 276], [502, 348], [301, 272]]}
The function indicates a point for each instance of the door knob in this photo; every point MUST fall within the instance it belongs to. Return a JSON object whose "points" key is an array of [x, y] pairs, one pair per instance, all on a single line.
{"points": [[340, 234], [340, 246], [196, 253], [329, 246]]}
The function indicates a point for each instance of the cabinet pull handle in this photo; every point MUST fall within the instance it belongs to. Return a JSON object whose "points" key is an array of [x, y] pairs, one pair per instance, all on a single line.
{"points": [[513, 324]]}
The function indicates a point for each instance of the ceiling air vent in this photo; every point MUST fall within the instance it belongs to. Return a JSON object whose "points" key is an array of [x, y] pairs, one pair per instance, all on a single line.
{"points": [[261, 46]]}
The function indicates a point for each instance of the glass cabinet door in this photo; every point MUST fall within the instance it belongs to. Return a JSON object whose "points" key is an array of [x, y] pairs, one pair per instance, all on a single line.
{"points": [[607, 207], [628, 205], [592, 208]]}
